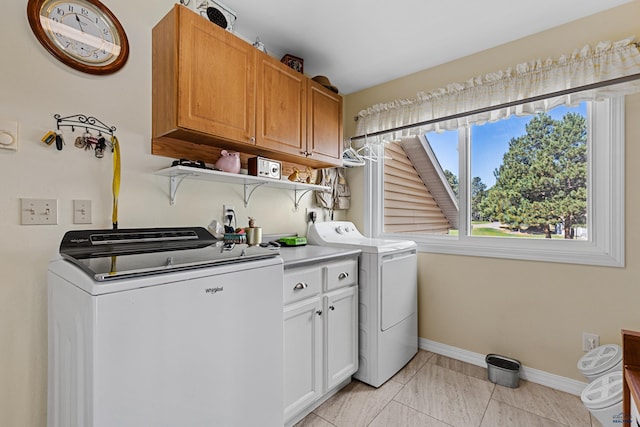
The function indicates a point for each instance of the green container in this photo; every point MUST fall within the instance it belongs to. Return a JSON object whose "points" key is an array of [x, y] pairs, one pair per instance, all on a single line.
{"points": [[293, 241]]}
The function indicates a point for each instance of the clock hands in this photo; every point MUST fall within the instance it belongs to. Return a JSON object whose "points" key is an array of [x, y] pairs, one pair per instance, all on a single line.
{"points": [[79, 23]]}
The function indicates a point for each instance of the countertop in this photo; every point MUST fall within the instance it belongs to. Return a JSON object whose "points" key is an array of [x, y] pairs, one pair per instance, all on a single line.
{"points": [[300, 255]]}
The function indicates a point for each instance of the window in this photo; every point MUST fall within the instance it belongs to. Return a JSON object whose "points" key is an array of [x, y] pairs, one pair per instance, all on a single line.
{"points": [[546, 187]]}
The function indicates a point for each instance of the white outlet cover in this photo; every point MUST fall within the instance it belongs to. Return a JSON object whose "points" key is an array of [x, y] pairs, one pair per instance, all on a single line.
{"points": [[82, 211], [39, 211], [8, 135]]}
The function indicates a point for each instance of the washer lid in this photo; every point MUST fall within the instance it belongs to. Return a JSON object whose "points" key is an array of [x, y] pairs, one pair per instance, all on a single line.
{"points": [[600, 359], [603, 392]]}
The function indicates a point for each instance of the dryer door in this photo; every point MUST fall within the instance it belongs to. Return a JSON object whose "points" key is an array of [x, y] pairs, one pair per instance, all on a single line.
{"points": [[398, 287]]}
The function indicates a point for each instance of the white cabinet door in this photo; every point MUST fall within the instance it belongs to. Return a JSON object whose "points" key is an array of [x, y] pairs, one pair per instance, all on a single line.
{"points": [[341, 340], [302, 355]]}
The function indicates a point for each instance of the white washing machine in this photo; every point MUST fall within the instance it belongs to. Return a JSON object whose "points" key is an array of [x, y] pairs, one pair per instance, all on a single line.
{"points": [[388, 295], [164, 328]]}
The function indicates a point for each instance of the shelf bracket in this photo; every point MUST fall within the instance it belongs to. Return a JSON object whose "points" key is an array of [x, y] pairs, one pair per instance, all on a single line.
{"points": [[298, 199], [174, 183], [254, 188]]}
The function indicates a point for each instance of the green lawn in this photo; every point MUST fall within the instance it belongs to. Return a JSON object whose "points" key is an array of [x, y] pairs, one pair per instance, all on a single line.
{"points": [[496, 232]]}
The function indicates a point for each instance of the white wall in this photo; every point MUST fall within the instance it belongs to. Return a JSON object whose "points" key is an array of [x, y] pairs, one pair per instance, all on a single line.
{"points": [[33, 87], [533, 311]]}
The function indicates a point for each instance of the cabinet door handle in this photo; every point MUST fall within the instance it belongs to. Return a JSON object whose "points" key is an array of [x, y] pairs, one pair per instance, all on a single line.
{"points": [[343, 275], [300, 286], [252, 139], [319, 312], [331, 308]]}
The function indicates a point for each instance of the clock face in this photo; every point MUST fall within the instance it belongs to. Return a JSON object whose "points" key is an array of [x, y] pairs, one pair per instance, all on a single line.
{"points": [[82, 33]]}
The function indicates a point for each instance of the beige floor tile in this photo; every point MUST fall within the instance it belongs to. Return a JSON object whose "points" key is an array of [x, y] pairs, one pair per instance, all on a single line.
{"points": [[449, 396], [357, 404], [502, 415], [413, 366], [595, 422], [312, 420], [398, 415], [549, 403], [459, 366]]}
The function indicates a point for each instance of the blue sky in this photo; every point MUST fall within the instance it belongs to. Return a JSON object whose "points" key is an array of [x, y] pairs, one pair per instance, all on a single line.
{"points": [[489, 142]]}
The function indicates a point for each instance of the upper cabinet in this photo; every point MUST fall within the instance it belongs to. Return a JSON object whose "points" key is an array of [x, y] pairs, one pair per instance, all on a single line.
{"points": [[282, 107], [324, 123], [212, 88], [197, 86]]}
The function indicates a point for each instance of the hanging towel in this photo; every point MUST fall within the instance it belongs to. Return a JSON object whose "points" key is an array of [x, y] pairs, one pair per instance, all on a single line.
{"points": [[339, 195], [342, 193]]}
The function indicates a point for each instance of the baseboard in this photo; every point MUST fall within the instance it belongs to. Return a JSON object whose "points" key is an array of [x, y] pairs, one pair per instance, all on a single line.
{"points": [[557, 382]]}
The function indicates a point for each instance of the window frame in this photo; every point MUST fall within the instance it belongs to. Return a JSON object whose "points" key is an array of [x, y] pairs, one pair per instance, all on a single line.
{"points": [[605, 203]]}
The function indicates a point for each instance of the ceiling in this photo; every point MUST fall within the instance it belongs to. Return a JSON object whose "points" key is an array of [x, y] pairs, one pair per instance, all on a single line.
{"points": [[362, 43]]}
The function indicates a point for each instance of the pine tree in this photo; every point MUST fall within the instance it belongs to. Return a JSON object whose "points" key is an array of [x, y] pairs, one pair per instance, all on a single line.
{"points": [[542, 179]]}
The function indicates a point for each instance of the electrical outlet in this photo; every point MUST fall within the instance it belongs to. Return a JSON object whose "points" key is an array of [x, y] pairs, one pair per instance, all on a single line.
{"points": [[312, 215], [39, 211], [82, 211], [226, 211], [590, 341]]}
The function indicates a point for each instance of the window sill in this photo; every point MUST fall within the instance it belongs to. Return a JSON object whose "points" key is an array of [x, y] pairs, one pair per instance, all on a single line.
{"points": [[569, 251]]}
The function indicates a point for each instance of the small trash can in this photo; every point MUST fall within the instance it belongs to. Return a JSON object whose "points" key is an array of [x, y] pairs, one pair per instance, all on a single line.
{"points": [[503, 371]]}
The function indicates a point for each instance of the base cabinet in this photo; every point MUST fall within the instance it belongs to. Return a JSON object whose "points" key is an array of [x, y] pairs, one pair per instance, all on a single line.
{"points": [[320, 332]]}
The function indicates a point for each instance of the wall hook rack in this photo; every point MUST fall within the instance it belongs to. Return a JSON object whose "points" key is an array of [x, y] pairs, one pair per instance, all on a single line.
{"points": [[83, 121]]}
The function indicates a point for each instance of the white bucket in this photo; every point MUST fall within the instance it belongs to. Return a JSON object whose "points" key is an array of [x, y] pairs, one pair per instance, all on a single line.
{"points": [[601, 360], [603, 398]]}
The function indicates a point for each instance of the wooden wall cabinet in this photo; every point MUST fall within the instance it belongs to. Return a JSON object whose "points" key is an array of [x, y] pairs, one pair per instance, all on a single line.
{"points": [[211, 88], [631, 372], [197, 89], [324, 123], [282, 107]]}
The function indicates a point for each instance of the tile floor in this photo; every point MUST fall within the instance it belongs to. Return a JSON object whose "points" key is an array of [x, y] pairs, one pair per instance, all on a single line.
{"points": [[436, 391]]}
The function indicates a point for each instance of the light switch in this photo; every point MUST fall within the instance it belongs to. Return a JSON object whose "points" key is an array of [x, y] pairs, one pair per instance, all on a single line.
{"points": [[39, 211], [82, 211], [8, 135]]}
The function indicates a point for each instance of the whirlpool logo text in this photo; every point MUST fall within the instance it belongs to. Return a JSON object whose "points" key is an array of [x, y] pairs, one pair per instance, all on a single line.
{"points": [[214, 290]]}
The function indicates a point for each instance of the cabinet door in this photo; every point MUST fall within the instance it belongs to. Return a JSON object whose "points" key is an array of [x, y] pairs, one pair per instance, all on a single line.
{"points": [[216, 80], [341, 335], [302, 355], [324, 124], [282, 107]]}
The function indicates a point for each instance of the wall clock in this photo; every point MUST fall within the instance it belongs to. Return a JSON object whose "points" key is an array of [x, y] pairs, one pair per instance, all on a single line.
{"points": [[84, 34]]}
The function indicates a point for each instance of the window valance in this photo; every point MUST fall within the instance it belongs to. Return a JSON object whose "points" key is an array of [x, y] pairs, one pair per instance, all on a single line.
{"points": [[605, 62]]}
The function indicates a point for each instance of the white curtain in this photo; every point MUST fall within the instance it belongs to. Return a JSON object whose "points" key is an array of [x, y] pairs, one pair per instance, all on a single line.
{"points": [[589, 65]]}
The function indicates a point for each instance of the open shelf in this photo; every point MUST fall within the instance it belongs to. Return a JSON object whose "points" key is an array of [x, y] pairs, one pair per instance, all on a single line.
{"points": [[177, 174]]}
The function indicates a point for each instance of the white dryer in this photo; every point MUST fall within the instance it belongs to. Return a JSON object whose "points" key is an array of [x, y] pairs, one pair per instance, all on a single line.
{"points": [[388, 295]]}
